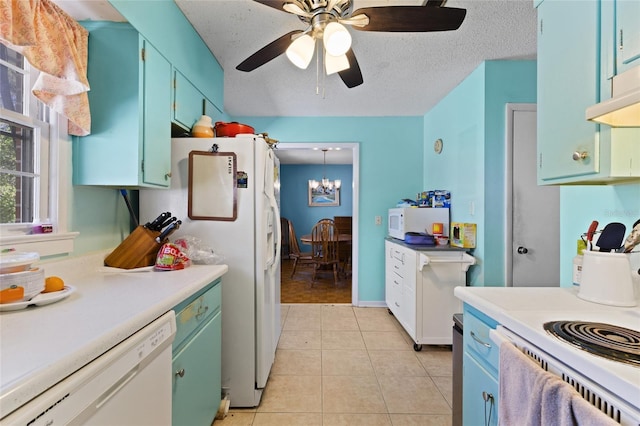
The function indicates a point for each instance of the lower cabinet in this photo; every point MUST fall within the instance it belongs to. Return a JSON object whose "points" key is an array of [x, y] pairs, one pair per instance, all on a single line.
{"points": [[197, 377], [400, 285], [480, 370]]}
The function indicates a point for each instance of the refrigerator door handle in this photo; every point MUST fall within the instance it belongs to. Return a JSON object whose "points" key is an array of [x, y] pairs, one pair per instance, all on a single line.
{"points": [[269, 192]]}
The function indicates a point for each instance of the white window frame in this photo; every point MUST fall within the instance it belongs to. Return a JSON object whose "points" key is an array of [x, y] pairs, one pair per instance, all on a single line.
{"points": [[52, 163]]}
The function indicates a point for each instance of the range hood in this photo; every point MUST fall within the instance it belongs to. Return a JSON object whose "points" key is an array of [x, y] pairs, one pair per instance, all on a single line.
{"points": [[623, 109]]}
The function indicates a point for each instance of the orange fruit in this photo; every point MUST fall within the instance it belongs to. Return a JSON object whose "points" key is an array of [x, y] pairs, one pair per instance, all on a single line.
{"points": [[11, 294], [53, 284]]}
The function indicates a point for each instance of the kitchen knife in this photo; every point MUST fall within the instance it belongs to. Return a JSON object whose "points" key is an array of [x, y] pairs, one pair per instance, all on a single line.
{"points": [[168, 222], [590, 233], [611, 237], [155, 225], [168, 231]]}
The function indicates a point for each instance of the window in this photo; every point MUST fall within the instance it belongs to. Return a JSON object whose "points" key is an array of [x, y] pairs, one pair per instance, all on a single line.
{"points": [[24, 147]]}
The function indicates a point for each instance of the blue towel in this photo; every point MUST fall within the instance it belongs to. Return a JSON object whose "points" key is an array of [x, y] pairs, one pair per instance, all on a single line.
{"points": [[531, 396]]}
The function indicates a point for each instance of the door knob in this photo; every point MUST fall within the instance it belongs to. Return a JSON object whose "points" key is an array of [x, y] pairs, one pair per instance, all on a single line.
{"points": [[522, 250]]}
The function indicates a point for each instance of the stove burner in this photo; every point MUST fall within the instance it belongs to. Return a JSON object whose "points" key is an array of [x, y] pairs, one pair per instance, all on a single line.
{"points": [[603, 340]]}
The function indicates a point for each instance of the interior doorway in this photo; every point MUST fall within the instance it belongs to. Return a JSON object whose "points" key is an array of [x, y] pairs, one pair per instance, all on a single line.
{"points": [[533, 212], [310, 149]]}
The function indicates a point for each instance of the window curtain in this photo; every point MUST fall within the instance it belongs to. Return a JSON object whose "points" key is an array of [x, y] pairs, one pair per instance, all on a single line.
{"points": [[57, 45]]}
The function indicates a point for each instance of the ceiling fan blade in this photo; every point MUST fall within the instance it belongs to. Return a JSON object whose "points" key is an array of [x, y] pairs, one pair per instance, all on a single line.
{"points": [[267, 53], [352, 76], [276, 4], [411, 18]]}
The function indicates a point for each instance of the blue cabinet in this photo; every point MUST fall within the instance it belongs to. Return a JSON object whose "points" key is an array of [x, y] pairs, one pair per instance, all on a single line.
{"points": [[197, 358], [577, 59], [130, 101], [568, 66], [188, 103], [480, 370], [627, 34]]}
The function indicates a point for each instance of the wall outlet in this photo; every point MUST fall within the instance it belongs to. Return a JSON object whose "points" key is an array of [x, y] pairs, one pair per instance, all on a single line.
{"points": [[378, 220]]}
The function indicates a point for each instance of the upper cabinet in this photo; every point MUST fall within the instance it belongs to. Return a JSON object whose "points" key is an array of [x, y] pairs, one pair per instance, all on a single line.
{"points": [[130, 101], [576, 61], [627, 34], [189, 104]]}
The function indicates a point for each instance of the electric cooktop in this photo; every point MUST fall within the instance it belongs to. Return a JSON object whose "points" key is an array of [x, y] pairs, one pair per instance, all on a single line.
{"points": [[604, 340]]}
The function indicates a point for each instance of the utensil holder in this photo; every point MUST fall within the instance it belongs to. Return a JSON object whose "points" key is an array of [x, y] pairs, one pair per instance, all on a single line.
{"points": [[138, 250], [606, 279]]}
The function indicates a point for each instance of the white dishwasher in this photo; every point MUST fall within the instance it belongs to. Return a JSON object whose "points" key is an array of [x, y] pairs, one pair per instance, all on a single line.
{"points": [[127, 385]]}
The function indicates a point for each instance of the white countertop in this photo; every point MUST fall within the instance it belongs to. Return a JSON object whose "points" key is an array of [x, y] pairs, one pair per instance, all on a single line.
{"points": [[41, 345], [525, 310]]}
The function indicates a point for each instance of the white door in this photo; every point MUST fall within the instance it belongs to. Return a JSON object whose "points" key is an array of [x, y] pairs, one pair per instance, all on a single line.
{"points": [[533, 236]]}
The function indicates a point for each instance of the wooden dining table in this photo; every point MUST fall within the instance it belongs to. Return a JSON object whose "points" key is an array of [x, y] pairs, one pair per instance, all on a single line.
{"points": [[342, 238]]}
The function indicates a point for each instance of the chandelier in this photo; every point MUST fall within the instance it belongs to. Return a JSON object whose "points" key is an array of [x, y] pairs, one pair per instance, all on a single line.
{"points": [[325, 183]]}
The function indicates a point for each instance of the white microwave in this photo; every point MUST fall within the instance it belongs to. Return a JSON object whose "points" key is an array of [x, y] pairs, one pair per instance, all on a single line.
{"points": [[416, 219]]}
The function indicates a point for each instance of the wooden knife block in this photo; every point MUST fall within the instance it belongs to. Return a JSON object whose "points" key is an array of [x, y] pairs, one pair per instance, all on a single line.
{"points": [[138, 250]]}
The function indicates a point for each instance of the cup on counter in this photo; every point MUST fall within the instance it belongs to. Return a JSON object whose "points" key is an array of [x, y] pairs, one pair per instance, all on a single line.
{"points": [[442, 241]]}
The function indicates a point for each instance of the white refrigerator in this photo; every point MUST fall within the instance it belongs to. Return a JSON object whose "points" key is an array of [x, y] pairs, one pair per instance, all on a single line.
{"points": [[250, 245]]}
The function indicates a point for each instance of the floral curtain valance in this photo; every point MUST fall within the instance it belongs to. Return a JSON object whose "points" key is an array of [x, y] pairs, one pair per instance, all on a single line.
{"points": [[56, 45]]}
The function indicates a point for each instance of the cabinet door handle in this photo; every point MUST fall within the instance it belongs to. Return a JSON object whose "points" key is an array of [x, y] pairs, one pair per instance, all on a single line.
{"points": [[477, 339], [577, 156], [180, 373]]}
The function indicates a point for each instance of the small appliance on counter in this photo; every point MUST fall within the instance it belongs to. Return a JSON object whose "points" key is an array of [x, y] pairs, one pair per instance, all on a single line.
{"points": [[403, 220]]}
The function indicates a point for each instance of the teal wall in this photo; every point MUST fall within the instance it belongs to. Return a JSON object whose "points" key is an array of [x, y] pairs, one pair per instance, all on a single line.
{"points": [[471, 122], [390, 168], [294, 194]]}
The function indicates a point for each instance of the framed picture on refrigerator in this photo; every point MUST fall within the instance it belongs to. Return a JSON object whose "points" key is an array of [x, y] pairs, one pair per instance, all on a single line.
{"points": [[324, 196]]}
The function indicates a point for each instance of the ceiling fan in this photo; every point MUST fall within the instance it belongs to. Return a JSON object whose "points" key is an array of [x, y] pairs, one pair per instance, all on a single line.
{"points": [[325, 20]]}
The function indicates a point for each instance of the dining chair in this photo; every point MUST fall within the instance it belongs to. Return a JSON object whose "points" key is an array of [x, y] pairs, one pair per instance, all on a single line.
{"points": [[344, 225], [294, 251], [324, 248], [285, 239]]}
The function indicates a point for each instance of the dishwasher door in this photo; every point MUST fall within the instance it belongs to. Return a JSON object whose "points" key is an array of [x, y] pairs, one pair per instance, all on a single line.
{"points": [[128, 385]]}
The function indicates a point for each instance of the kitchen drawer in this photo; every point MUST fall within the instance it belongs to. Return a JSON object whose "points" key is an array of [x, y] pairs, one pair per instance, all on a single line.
{"points": [[194, 312], [476, 339]]}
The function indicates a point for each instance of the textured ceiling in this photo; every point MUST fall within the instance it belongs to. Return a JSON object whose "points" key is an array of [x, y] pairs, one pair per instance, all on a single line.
{"points": [[405, 74]]}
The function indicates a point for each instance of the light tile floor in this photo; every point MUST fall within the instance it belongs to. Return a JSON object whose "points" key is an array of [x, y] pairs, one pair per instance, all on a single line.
{"points": [[341, 365]]}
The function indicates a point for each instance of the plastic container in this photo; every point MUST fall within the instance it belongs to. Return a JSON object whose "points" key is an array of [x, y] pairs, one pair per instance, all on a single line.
{"points": [[32, 281], [17, 261], [203, 128]]}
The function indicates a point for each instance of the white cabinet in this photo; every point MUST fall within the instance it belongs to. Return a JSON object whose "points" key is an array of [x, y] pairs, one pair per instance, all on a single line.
{"points": [[419, 290], [400, 285]]}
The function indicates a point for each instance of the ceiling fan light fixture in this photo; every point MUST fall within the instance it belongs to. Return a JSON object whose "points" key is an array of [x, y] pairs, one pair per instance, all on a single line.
{"points": [[300, 51], [336, 38], [334, 64]]}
